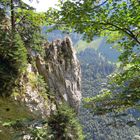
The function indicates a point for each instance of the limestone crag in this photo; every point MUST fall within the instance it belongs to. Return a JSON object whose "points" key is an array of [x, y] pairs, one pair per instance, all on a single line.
{"points": [[62, 72]]}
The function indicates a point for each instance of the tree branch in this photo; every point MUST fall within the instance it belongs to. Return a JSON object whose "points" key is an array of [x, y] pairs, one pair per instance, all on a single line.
{"points": [[12, 16], [100, 4], [20, 20], [126, 31]]}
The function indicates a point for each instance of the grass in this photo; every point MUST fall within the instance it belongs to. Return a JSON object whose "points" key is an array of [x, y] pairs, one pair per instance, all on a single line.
{"points": [[81, 45]]}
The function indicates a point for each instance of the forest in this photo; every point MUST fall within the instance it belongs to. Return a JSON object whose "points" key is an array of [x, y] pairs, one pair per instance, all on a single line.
{"points": [[71, 72]]}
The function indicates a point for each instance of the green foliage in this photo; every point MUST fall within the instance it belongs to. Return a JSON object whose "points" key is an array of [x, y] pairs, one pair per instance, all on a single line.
{"points": [[97, 123], [60, 125], [30, 28], [20, 34], [40, 133], [126, 92], [17, 53], [124, 89], [94, 66], [64, 125], [24, 21], [13, 60], [42, 86], [37, 82], [35, 129]]}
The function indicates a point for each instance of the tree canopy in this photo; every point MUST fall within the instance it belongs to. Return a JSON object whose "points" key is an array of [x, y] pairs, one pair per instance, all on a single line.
{"points": [[119, 22], [20, 30]]}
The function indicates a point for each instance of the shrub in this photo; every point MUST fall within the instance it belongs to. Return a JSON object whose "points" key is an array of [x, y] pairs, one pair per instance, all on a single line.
{"points": [[64, 125]]}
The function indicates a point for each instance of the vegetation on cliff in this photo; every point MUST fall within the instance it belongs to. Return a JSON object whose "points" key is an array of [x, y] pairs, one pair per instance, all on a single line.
{"points": [[64, 124]]}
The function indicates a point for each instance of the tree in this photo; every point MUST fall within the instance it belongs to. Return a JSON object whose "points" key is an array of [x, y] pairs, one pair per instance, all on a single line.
{"points": [[23, 20], [64, 124], [119, 21], [19, 30], [29, 27]]}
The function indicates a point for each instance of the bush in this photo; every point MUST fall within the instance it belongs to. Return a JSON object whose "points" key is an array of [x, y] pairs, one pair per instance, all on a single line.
{"points": [[64, 125]]}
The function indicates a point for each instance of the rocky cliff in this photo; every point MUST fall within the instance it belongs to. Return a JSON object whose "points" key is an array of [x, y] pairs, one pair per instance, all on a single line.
{"points": [[61, 71], [47, 83]]}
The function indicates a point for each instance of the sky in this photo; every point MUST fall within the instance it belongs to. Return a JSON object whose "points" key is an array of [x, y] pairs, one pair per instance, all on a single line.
{"points": [[43, 5]]}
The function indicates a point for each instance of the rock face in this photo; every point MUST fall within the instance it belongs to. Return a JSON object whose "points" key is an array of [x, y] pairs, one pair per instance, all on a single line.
{"points": [[61, 70], [33, 97]]}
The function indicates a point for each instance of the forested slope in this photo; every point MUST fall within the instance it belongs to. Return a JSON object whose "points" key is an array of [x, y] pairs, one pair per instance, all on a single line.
{"points": [[113, 126]]}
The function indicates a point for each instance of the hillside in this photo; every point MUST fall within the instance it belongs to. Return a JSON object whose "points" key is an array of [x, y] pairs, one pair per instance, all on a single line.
{"points": [[99, 44], [124, 126], [81, 45]]}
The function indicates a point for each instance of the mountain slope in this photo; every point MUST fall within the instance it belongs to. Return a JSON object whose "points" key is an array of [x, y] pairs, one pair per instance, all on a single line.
{"points": [[95, 69]]}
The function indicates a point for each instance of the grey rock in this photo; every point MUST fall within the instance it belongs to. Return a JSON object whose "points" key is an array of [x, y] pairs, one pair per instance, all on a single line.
{"points": [[61, 70]]}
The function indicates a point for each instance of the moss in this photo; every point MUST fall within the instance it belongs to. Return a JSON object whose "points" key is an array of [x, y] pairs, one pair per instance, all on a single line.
{"points": [[32, 80], [12, 110], [15, 94]]}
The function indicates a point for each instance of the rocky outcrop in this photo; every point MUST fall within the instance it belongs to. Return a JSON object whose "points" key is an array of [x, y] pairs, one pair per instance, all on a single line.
{"points": [[33, 97], [61, 71]]}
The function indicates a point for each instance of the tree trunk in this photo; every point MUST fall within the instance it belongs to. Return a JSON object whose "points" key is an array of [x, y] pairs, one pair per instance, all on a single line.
{"points": [[12, 16]]}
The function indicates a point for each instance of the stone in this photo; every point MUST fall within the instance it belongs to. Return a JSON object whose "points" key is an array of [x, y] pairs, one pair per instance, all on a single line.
{"points": [[61, 70]]}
